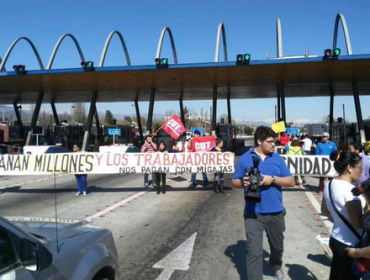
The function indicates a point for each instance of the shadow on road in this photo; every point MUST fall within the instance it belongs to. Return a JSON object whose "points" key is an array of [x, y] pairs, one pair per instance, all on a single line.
{"points": [[237, 254], [319, 259], [299, 272]]}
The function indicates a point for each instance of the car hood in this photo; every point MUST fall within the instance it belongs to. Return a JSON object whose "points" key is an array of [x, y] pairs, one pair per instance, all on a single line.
{"points": [[45, 228]]}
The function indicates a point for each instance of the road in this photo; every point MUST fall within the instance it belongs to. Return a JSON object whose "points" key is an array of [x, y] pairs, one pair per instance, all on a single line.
{"points": [[183, 234]]}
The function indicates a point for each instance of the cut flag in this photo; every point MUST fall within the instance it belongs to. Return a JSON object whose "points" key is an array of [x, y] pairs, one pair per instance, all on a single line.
{"points": [[174, 127]]}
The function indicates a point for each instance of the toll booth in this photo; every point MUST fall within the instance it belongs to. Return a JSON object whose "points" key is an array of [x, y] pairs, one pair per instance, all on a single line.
{"points": [[226, 133], [68, 135]]}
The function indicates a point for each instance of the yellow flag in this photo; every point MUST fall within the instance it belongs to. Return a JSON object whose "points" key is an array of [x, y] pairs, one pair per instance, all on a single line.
{"points": [[278, 127]]}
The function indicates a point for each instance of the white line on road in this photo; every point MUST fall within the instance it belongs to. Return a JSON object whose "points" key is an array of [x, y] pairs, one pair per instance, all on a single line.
{"points": [[178, 259], [316, 205], [89, 219]]}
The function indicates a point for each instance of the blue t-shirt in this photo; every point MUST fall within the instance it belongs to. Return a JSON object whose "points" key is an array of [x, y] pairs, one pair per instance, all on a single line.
{"points": [[271, 196], [325, 149]]}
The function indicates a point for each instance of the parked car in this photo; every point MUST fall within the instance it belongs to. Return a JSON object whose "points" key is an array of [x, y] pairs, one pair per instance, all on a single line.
{"points": [[31, 249]]}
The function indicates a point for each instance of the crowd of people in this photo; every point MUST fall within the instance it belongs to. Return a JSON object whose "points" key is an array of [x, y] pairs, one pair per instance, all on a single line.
{"points": [[346, 200]]}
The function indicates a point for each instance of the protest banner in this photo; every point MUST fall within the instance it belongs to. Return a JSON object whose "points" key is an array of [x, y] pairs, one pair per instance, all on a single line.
{"points": [[113, 163]]}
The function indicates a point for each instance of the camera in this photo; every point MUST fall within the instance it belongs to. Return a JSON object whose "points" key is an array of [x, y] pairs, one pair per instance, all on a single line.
{"points": [[254, 186]]}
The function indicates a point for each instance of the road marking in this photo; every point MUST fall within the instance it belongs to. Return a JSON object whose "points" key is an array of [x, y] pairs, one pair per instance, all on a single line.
{"points": [[178, 259], [316, 205], [127, 200]]}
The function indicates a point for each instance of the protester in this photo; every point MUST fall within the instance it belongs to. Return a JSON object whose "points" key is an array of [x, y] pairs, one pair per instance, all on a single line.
{"points": [[338, 194], [325, 148], [191, 148], [307, 144], [358, 149], [80, 178], [148, 147], [294, 149], [363, 252], [182, 145], [284, 139], [268, 214], [160, 178], [218, 181], [174, 148]]}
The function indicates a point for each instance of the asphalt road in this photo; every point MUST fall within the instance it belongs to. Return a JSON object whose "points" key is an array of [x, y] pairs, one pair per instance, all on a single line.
{"points": [[183, 234]]}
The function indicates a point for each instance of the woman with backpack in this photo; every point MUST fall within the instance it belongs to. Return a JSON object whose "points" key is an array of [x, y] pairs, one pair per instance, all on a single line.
{"points": [[346, 211]]}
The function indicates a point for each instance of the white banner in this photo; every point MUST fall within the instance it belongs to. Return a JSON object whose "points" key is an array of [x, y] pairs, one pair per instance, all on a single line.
{"points": [[310, 165], [113, 163]]}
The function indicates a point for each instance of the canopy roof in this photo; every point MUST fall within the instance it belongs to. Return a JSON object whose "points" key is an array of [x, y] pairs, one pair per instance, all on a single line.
{"points": [[301, 77]]}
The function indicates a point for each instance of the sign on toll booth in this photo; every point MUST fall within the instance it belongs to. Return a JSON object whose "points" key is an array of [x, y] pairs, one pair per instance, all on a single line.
{"points": [[113, 132]]}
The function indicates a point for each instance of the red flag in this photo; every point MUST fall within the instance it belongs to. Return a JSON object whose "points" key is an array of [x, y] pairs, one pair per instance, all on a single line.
{"points": [[174, 127], [202, 144]]}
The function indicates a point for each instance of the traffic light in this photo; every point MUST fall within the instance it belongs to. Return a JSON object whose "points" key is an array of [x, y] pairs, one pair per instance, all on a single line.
{"points": [[243, 59], [88, 65], [161, 63], [336, 53], [327, 54], [331, 54], [20, 69]]}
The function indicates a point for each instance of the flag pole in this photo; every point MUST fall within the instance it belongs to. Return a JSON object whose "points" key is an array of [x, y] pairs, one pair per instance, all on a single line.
{"points": [[155, 133]]}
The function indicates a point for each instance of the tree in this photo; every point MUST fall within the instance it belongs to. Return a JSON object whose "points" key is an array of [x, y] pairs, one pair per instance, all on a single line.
{"points": [[128, 119], [108, 117]]}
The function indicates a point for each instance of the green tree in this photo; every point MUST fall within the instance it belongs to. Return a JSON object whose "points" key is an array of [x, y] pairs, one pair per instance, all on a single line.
{"points": [[108, 117], [128, 119]]}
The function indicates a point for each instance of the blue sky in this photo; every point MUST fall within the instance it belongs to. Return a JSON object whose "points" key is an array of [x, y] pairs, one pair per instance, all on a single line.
{"points": [[250, 27]]}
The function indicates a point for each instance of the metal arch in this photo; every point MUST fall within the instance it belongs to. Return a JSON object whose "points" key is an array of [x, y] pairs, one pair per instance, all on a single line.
{"points": [[0, 63], [8, 52], [56, 47], [346, 33], [105, 49], [160, 42], [221, 28], [279, 39]]}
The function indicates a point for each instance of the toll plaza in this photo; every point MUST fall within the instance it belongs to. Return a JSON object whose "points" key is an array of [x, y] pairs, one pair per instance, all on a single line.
{"points": [[330, 74]]}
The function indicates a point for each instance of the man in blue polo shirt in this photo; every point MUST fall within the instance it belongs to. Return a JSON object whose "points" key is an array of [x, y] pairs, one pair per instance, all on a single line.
{"points": [[325, 148], [268, 214]]}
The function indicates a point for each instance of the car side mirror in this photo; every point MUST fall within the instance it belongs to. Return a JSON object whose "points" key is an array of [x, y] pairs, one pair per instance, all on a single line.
{"points": [[35, 256]]}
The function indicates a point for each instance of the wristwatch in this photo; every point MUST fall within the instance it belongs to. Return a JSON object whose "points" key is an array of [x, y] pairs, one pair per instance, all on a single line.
{"points": [[273, 179]]}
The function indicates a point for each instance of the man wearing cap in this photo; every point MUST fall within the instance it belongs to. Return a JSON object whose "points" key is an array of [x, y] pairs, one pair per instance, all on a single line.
{"points": [[325, 148]]}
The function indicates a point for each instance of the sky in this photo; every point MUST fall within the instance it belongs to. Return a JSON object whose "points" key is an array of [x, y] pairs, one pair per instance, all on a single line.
{"points": [[250, 28]]}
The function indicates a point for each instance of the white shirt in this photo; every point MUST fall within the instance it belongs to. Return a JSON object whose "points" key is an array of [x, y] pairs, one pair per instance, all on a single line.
{"points": [[183, 147], [307, 143], [341, 193]]}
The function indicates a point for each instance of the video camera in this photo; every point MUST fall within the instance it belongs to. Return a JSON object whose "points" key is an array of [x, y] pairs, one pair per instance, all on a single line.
{"points": [[253, 194]]}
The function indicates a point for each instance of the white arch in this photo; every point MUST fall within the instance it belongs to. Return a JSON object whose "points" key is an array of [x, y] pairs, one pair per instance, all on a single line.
{"points": [[346, 33], [56, 47], [8, 52], [160, 42], [106, 45], [279, 39], [221, 30]]}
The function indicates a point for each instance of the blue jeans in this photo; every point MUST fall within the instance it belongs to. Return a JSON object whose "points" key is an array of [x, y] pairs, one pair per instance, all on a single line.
{"points": [[194, 178], [81, 182]]}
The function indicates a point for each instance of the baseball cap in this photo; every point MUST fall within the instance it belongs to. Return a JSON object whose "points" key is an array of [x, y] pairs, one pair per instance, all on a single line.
{"points": [[325, 134]]}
